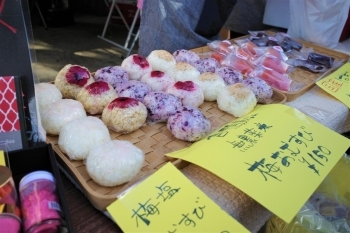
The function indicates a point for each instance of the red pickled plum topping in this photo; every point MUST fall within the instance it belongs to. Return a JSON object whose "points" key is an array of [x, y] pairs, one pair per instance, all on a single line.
{"points": [[123, 102], [187, 85], [97, 88], [157, 74], [77, 75], [141, 61]]}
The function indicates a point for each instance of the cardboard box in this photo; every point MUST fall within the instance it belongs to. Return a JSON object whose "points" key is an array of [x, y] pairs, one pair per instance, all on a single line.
{"points": [[22, 162]]}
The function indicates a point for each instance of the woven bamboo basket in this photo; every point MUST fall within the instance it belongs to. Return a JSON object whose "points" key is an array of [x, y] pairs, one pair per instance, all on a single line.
{"points": [[306, 78], [154, 140]]}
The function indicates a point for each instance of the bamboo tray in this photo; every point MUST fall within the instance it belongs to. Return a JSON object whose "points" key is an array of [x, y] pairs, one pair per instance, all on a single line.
{"points": [[306, 78], [155, 141]]}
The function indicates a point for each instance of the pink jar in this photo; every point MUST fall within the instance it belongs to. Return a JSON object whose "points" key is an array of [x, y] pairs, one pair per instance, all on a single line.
{"points": [[39, 203], [10, 223]]}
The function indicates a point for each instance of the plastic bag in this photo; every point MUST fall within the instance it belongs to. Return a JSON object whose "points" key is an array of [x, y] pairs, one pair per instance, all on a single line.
{"points": [[319, 22], [327, 210]]}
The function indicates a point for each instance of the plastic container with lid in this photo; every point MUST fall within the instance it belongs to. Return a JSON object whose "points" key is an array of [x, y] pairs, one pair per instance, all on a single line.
{"points": [[40, 205]]}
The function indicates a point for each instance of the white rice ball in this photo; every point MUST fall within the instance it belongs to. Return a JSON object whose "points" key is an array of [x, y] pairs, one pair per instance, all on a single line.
{"points": [[60, 113], [236, 99], [79, 136], [71, 78], [46, 94], [136, 66], [114, 162], [161, 60], [211, 85], [184, 71]]}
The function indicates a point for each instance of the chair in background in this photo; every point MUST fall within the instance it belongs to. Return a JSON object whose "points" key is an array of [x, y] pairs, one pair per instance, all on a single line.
{"points": [[132, 37]]}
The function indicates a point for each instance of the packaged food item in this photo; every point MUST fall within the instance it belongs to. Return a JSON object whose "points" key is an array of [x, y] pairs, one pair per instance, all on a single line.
{"points": [[273, 78], [321, 59], [239, 63], [40, 205], [9, 211], [307, 64], [222, 46]]}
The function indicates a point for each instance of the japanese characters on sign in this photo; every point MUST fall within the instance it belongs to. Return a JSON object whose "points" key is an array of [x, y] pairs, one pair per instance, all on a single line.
{"points": [[276, 154], [338, 84], [168, 202]]}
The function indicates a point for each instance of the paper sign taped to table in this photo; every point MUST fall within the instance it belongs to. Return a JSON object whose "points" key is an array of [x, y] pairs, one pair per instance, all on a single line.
{"points": [[168, 202], [276, 155], [338, 84]]}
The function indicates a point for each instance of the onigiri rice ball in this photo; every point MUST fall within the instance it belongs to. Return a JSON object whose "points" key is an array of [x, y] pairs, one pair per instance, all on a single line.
{"points": [[236, 99], [79, 136], [46, 94], [184, 71], [211, 85], [157, 80], [114, 162], [71, 78], [188, 124], [262, 91], [60, 113], [161, 60]]}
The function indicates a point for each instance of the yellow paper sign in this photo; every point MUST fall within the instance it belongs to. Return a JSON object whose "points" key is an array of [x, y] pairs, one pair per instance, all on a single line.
{"points": [[168, 202], [338, 84], [276, 155], [2, 158]]}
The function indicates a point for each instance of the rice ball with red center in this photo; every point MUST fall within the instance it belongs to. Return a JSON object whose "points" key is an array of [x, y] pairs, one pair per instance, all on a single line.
{"points": [[136, 66], [211, 85], [158, 80], [207, 64], [113, 75], [114, 162], [96, 96], [60, 113], [184, 71], [236, 99], [188, 124], [160, 105], [71, 78], [183, 55], [190, 93], [79, 136], [262, 91], [133, 89], [161, 60], [124, 115], [230, 76]]}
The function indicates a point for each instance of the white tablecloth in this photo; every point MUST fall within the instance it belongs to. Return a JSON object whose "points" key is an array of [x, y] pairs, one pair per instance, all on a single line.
{"points": [[324, 108]]}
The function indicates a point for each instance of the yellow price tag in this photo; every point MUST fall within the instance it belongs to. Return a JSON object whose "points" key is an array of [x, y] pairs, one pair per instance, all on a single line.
{"points": [[168, 202], [276, 155], [338, 84]]}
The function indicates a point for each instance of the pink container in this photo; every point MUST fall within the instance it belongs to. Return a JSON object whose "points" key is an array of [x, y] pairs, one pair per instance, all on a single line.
{"points": [[10, 223], [40, 206]]}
